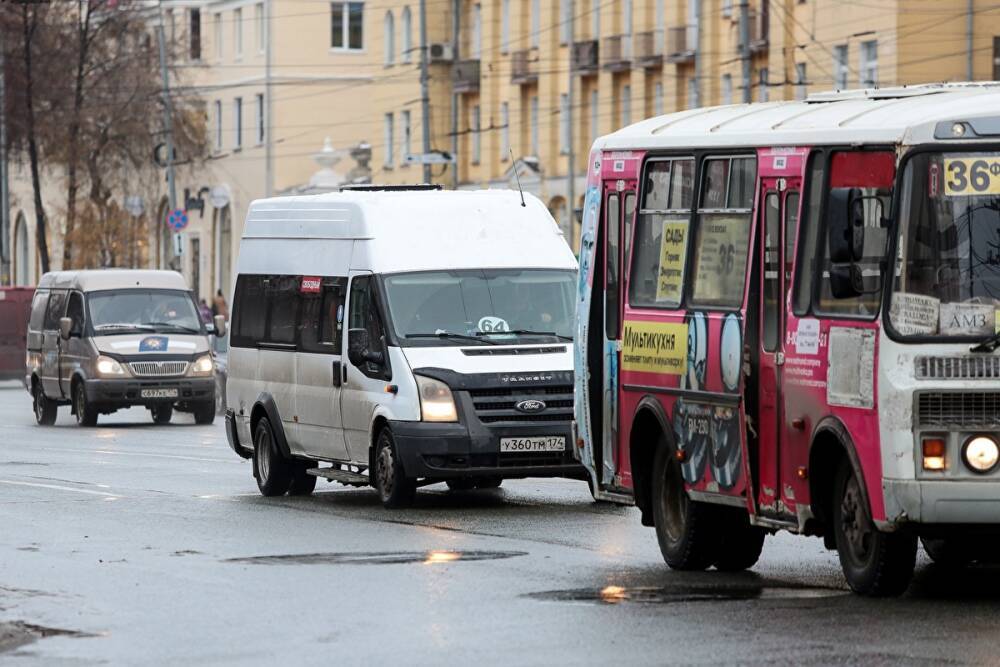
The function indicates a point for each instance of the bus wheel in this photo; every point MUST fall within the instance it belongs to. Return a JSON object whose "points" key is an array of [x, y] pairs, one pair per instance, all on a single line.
{"points": [[45, 410], [272, 471], [741, 542], [874, 562], [395, 490], [688, 531]]}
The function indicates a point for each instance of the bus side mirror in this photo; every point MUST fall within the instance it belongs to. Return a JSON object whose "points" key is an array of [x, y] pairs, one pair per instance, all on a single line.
{"points": [[845, 225], [220, 325], [357, 348], [65, 327], [846, 281]]}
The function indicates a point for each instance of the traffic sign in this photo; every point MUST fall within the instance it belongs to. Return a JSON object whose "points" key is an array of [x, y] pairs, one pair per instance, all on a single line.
{"points": [[177, 220]]}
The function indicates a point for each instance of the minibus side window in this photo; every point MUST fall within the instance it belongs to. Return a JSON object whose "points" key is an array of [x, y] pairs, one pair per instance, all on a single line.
{"points": [[772, 266], [74, 311], [807, 265], [249, 312], [365, 315], [322, 320], [38, 306], [57, 306], [283, 305], [613, 216]]}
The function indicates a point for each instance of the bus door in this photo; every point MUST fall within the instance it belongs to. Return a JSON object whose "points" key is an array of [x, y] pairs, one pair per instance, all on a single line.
{"points": [[779, 212]]}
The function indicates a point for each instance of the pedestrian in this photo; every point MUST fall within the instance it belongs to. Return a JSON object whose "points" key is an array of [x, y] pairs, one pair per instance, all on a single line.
{"points": [[219, 306], [205, 311]]}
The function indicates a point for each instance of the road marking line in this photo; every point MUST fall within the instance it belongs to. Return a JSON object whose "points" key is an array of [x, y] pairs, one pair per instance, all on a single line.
{"points": [[59, 488], [164, 456]]}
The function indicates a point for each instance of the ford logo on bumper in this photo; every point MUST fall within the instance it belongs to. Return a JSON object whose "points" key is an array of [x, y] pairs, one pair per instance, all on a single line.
{"points": [[530, 406]]}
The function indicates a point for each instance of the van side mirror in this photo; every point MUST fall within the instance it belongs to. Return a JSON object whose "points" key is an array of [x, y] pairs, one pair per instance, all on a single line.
{"points": [[357, 348], [845, 225], [65, 327], [220, 325], [846, 281]]}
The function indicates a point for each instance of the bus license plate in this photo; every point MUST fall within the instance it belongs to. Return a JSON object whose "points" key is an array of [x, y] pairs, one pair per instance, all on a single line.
{"points": [[542, 444], [158, 393]]}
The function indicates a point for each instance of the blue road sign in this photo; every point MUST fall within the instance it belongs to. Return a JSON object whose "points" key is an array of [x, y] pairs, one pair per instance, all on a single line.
{"points": [[177, 220]]}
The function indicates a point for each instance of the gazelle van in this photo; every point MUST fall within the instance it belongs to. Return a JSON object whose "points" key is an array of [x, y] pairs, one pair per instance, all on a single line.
{"points": [[404, 337]]}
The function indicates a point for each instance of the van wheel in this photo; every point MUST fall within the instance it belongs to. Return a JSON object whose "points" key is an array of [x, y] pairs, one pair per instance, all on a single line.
{"points": [[204, 413], [86, 415], [741, 542], [688, 532], [875, 563], [162, 413], [45, 410], [302, 482], [273, 472], [394, 489]]}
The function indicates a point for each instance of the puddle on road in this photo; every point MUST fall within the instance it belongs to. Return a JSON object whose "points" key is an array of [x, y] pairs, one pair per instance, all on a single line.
{"points": [[684, 593], [377, 557], [16, 634]]}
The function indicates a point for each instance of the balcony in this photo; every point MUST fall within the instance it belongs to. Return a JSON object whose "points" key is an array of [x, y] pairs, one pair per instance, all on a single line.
{"points": [[466, 76], [649, 49], [585, 58], [522, 68], [617, 53], [680, 44]]}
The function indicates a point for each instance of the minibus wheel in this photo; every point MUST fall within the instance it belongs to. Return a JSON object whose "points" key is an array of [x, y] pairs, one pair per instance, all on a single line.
{"points": [[273, 472], [86, 415], [162, 413], [395, 490], [45, 410], [688, 532], [302, 482], [741, 542], [875, 563], [204, 413]]}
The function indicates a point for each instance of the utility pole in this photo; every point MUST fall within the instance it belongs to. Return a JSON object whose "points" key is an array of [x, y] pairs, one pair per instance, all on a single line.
{"points": [[5, 236], [268, 125], [745, 48], [168, 122], [697, 53], [425, 100], [571, 156], [969, 29], [456, 27]]}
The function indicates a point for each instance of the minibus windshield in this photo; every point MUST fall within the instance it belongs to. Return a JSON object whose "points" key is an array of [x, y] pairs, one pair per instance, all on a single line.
{"points": [[947, 279], [143, 310], [492, 306]]}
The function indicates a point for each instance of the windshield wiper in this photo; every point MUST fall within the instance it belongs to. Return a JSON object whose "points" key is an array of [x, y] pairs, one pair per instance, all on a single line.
{"points": [[526, 332], [448, 334], [178, 327], [122, 325], [988, 345]]}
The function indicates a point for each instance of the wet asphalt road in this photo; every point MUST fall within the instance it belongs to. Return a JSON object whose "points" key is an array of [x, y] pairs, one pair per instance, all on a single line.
{"points": [[132, 543]]}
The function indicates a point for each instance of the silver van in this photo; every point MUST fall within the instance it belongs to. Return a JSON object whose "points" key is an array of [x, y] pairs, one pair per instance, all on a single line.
{"points": [[100, 341]]}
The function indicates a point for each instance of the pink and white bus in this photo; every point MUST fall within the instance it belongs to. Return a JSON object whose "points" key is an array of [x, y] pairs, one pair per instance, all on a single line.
{"points": [[787, 320]]}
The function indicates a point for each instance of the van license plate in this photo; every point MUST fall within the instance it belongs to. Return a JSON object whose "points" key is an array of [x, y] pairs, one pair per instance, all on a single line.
{"points": [[542, 444], [158, 393]]}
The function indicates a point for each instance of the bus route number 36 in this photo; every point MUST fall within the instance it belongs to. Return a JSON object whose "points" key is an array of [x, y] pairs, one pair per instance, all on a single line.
{"points": [[970, 176]]}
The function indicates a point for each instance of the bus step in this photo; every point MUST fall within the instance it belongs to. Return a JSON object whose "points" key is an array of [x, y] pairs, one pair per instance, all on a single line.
{"points": [[342, 476]]}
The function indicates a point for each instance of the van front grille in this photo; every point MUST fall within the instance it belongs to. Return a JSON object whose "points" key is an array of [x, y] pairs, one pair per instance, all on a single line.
{"points": [[957, 368], [496, 406], [959, 409], [156, 369]]}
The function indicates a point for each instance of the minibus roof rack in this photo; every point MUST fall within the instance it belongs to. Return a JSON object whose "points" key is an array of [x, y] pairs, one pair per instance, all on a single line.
{"points": [[372, 187]]}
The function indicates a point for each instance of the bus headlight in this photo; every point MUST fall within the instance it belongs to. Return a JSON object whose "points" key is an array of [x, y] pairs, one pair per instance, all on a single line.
{"points": [[108, 367], [203, 365], [436, 401], [981, 453]]}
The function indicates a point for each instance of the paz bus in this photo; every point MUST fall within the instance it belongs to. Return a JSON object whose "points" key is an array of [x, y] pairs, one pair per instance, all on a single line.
{"points": [[787, 320]]}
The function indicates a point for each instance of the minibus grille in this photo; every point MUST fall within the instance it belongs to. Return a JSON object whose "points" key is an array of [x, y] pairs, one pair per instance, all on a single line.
{"points": [[495, 406], [957, 368], [155, 369], [959, 409]]}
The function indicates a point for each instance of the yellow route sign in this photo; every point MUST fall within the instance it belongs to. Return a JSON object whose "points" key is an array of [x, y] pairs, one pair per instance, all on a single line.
{"points": [[673, 243], [972, 175]]}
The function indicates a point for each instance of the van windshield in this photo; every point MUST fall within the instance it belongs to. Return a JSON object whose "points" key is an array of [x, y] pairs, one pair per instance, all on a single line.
{"points": [[130, 310], [491, 306]]}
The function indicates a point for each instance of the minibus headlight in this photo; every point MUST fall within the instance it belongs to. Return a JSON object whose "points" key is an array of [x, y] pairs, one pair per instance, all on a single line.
{"points": [[108, 367], [203, 365], [981, 453], [436, 401]]}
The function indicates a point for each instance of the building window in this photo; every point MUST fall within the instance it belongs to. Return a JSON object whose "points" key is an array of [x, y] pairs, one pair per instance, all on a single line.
{"points": [[869, 64], [505, 26], [347, 25], [217, 30], [595, 19], [536, 23], [171, 28], [658, 99], [407, 135], [726, 92], [693, 100], [762, 85], [194, 34], [840, 67], [389, 141], [595, 125], [801, 88], [565, 25], [474, 129], [259, 117], [504, 131], [238, 123], [407, 36], [727, 8], [217, 119], [238, 33], [533, 124], [564, 126], [626, 118], [258, 26], [389, 38], [476, 36]]}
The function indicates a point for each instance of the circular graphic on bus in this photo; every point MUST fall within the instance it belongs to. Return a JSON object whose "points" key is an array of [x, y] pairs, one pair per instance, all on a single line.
{"points": [[731, 352], [691, 428], [697, 351], [726, 447]]}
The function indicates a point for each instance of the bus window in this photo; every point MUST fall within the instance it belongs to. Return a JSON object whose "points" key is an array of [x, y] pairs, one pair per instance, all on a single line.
{"points": [[611, 262], [657, 276], [722, 235], [772, 266], [808, 264], [791, 227]]}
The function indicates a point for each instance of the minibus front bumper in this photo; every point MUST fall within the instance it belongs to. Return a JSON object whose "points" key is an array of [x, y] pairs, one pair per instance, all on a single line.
{"points": [[451, 451], [126, 392], [943, 502]]}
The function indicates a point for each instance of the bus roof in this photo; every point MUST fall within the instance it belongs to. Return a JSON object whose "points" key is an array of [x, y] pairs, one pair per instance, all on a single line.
{"points": [[903, 115], [106, 279]]}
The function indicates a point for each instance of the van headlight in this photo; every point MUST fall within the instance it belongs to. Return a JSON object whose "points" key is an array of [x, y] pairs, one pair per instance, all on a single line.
{"points": [[436, 401], [981, 453], [108, 367], [203, 365]]}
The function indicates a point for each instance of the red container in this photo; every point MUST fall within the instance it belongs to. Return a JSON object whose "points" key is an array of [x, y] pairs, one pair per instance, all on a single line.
{"points": [[15, 304]]}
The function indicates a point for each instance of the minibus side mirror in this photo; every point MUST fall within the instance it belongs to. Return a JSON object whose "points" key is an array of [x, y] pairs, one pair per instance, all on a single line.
{"points": [[846, 281], [65, 327], [845, 225], [220, 325], [357, 348]]}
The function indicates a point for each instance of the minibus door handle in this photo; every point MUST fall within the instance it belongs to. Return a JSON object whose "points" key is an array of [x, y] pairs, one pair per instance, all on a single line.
{"points": [[337, 377]]}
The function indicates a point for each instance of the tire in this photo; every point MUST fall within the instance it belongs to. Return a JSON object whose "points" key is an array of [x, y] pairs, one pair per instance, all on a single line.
{"points": [[45, 410], [395, 490], [742, 542], [689, 532], [461, 484], [204, 413], [272, 471], [162, 414], [875, 563], [489, 482], [302, 483], [86, 415]]}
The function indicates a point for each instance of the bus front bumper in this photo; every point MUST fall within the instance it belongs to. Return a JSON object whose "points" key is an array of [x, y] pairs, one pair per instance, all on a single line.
{"points": [[943, 502]]}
